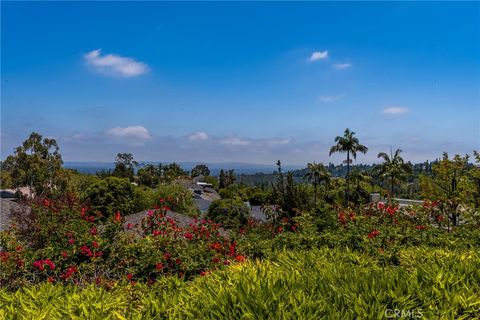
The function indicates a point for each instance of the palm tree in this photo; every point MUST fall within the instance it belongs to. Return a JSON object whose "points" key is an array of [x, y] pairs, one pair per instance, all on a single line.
{"points": [[316, 173], [393, 169], [349, 144], [358, 177]]}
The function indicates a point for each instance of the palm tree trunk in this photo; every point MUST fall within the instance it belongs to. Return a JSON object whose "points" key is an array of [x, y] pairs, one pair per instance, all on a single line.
{"points": [[391, 188], [315, 194], [348, 178]]}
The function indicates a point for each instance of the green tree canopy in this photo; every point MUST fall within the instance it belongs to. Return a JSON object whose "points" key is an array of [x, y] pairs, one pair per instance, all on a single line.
{"points": [[200, 169], [37, 163], [125, 166]]}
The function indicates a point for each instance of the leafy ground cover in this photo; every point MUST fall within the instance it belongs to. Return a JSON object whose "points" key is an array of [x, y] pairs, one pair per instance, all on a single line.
{"points": [[320, 283]]}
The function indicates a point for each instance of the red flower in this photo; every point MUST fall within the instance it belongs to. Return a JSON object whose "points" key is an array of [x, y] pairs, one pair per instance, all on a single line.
{"points": [[373, 234], [156, 233], [150, 213], [40, 264], [94, 244], [381, 205], [280, 230], [129, 276], [351, 216], [240, 258], [51, 279], [226, 262], [129, 226], [341, 218], [71, 241], [46, 203], [159, 266], [215, 260], [231, 249], [216, 246], [69, 272], [93, 231], [167, 256], [64, 254], [118, 217], [391, 210], [420, 227], [439, 218], [86, 251], [203, 273], [20, 263], [188, 236]]}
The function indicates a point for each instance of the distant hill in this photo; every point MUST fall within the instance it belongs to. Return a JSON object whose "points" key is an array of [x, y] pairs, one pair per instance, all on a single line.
{"points": [[240, 168]]}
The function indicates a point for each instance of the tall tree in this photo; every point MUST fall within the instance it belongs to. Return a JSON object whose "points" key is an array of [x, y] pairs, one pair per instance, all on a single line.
{"points": [[350, 145], [449, 182], [200, 169], [149, 175], [316, 173], [125, 166], [393, 169], [221, 179], [37, 163]]}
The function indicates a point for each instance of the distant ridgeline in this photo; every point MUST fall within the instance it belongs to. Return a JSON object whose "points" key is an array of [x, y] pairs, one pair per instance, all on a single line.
{"points": [[239, 168], [251, 174]]}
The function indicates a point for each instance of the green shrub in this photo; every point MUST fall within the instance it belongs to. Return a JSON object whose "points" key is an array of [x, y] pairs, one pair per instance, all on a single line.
{"points": [[110, 195], [229, 212], [178, 197]]}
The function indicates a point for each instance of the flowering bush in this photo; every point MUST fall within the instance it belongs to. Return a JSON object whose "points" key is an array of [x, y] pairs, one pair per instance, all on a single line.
{"points": [[82, 248]]}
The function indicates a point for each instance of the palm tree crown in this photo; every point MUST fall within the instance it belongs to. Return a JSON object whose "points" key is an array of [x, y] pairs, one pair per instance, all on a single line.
{"points": [[348, 144], [393, 169], [317, 173]]}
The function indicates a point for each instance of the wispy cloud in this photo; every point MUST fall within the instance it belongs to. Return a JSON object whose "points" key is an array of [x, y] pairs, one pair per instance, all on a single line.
{"points": [[115, 65], [318, 55], [395, 110], [328, 99], [342, 66], [198, 136], [138, 132], [275, 142], [235, 141]]}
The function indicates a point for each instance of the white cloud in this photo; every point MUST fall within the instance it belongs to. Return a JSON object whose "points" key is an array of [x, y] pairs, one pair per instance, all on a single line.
{"points": [[234, 141], [138, 132], [277, 142], [198, 136], [328, 99], [318, 55], [116, 65], [395, 110], [341, 66]]}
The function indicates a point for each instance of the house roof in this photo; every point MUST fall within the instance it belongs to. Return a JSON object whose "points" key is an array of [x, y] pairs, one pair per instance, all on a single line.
{"points": [[7, 207]]}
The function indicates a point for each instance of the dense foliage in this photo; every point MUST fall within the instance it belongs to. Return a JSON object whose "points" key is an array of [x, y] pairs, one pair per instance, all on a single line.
{"points": [[319, 284]]}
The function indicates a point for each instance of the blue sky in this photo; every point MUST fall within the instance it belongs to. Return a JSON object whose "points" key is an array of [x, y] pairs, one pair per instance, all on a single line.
{"points": [[244, 82]]}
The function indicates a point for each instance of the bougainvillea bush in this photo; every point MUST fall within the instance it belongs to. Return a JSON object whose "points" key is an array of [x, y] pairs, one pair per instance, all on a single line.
{"points": [[78, 246]]}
